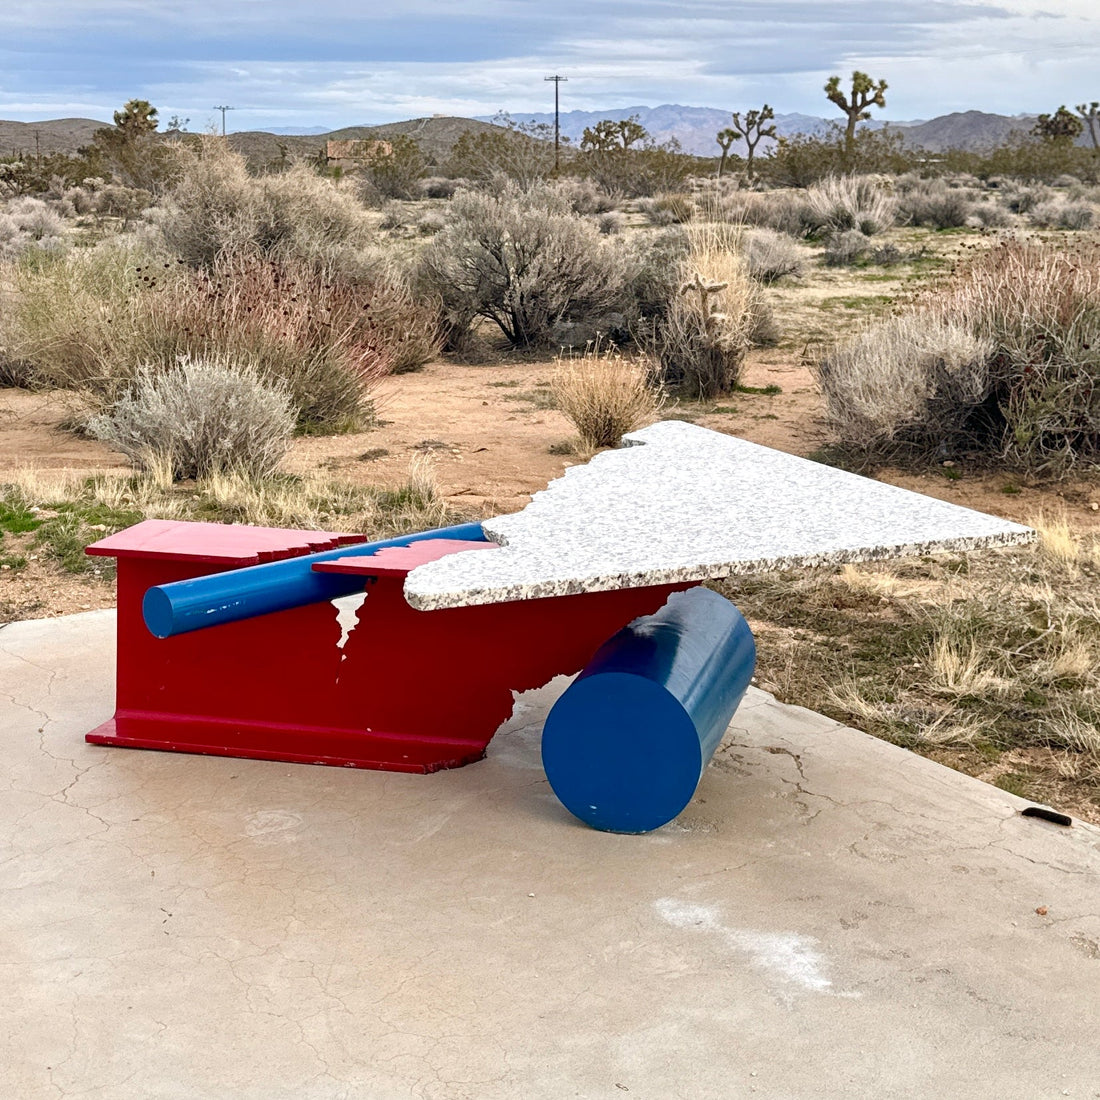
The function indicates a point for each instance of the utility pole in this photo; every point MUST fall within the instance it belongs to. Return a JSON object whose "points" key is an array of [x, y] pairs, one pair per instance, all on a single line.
{"points": [[223, 110], [557, 130]]}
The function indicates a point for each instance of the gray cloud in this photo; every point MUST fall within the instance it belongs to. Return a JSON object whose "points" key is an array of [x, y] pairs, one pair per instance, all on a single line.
{"points": [[347, 62]]}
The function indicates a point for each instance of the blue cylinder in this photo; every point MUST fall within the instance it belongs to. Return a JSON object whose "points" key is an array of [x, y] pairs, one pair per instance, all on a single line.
{"points": [[625, 746], [182, 606]]}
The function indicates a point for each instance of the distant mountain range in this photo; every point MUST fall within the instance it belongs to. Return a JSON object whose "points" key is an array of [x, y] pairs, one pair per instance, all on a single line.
{"points": [[694, 127]]}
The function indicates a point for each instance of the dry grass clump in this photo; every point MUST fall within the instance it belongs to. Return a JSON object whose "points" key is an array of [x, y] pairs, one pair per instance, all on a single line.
{"points": [[838, 203], [909, 379], [989, 661], [701, 337], [606, 394], [201, 417]]}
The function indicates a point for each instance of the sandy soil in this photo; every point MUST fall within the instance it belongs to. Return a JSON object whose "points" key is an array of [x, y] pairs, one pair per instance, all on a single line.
{"points": [[489, 440]]}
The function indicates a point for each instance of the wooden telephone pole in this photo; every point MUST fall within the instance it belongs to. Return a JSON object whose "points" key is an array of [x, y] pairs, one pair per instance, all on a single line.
{"points": [[557, 130]]}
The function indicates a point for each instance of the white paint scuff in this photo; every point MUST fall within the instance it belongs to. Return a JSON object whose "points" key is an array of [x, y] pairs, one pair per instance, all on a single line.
{"points": [[788, 955]]}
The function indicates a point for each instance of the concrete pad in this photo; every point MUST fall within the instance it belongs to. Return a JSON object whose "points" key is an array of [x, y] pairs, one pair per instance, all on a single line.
{"points": [[832, 916]]}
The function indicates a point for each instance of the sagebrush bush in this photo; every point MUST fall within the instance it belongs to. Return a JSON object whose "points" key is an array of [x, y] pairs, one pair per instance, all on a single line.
{"points": [[846, 247], [1029, 311], [438, 187], [1039, 303], [932, 203], [36, 219], [522, 260], [840, 203], [605, 394], [910, 379], [584, 195], [1057, 214], [200, 417], [784, 211], [772, 256], [216, 209], [664, 210]]}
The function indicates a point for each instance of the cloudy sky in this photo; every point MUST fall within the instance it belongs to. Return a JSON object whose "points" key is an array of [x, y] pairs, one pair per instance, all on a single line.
{"points": [[345, 62]]}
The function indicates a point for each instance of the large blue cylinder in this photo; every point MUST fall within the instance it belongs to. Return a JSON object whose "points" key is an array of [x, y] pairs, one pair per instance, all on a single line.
{"points": [[625, 746], [182, 606]]}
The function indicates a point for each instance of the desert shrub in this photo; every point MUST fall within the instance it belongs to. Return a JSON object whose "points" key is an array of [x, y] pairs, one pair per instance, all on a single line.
{"points": [[802, 159], [667, 209], [394, 172], [784, 211], [991, 215], [846, 247], [1021, 199], [583, 195], [909, 379], [1054, 214], [1032, 310], [702, 333], [438, 187], [1039, 303], [393, 216], [62, 310], [90, 319], [35, 219], [609, 223], [431, 222], [605, 394], [83, 199], [839, 203], [216, 209], [772, 256], [655, 258], [200, 417], [933, 203], [522, 260]]}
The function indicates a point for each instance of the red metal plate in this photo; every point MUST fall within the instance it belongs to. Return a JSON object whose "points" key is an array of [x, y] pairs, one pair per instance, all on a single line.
{"points": [[223, 544], [396, 561]]}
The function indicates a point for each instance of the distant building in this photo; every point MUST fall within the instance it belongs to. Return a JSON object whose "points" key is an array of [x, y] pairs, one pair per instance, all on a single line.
{"points": [[348, 154]]}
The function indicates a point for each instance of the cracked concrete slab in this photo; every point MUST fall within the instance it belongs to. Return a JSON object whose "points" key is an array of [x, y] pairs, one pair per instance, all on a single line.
{"points": [[832, 916]]}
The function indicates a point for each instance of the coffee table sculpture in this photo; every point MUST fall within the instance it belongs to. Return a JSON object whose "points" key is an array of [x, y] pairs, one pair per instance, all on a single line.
{"points": [[228, 643]]}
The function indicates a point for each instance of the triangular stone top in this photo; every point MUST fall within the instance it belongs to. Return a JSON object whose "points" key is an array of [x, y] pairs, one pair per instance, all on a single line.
{"points": [[681, 503]]}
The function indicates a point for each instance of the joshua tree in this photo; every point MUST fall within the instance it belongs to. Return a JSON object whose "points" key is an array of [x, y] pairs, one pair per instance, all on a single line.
{"points": [[1062, 127], [1090, 112], [609, 136], [725, 139], [754, 127], [865, 93]]}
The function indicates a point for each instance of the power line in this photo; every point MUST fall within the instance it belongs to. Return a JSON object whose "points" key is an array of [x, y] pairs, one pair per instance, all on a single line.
{"points": [[223, 110], [557, 129]]}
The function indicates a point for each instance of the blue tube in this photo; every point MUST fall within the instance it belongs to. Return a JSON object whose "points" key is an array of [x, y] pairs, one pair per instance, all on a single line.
{"points": [[625, 746], [183, 606]]}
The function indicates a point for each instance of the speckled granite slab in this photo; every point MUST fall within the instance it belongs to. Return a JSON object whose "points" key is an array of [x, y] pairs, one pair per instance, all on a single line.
{"points": [[682, 503]]}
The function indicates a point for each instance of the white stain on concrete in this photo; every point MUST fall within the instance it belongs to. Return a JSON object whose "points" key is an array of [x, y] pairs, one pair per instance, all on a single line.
{"points": [[787, 955]]}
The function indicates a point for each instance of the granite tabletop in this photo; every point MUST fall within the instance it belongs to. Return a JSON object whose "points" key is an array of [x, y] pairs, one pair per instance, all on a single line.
{"points": [[678, 502]]}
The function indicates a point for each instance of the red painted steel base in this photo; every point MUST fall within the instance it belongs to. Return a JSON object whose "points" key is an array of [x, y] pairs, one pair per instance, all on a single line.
{"points": [[409, 690]]}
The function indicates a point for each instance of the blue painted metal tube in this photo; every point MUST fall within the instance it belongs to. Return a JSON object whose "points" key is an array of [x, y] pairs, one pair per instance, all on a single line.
{"points": [[625, 746], [183, 606]]}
